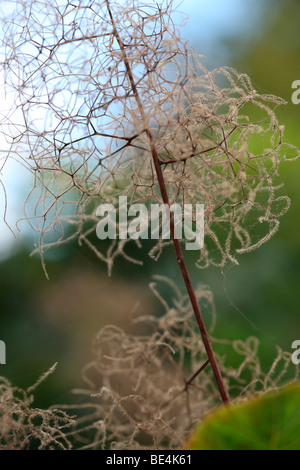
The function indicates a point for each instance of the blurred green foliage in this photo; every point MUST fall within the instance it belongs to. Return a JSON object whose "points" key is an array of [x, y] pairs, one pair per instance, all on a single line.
{"points": [[265, 285]]}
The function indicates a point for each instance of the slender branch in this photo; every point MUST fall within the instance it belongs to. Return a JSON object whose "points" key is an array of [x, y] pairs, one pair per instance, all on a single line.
{"points": [[165, 198], [201, 152], [192, 378], [187, 382]]}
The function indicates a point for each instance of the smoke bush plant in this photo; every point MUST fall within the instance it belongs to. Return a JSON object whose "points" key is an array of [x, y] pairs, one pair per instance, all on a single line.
{"points": [[23, 427], [147, 391], [110, 101]]}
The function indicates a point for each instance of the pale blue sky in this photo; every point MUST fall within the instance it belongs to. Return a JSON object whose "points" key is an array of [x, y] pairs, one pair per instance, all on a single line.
{"points": [[213, 22]]}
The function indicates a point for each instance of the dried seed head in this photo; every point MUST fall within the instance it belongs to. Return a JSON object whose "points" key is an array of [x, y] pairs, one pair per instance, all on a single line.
{"points": [[82, 119]]}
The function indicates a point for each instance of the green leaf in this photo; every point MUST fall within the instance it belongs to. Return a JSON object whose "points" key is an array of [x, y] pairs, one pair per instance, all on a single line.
{"points": [[268, 422]]}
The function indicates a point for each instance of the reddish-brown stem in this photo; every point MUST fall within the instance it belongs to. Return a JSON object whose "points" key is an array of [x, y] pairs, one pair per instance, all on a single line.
{"points": [[165, 198]]}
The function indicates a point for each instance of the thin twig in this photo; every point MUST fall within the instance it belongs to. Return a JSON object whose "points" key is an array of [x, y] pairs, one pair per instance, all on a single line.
{"points": [[165, 198]]}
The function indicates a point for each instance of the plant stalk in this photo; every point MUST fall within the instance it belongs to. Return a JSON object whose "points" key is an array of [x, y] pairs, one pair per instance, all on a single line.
{"points": [[179, 254]]}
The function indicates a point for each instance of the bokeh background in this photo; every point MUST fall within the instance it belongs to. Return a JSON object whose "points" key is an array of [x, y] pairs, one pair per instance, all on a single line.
{"points": [[43, 322]]}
